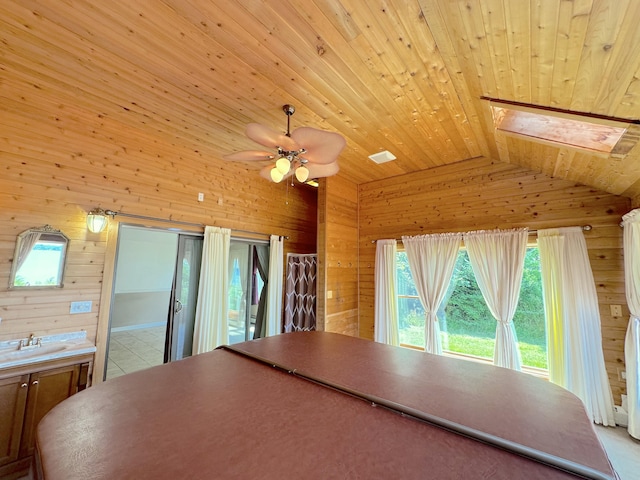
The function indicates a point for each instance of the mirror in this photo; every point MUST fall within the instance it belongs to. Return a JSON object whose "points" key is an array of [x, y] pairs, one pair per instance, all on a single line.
{"points": [[39, 258]]}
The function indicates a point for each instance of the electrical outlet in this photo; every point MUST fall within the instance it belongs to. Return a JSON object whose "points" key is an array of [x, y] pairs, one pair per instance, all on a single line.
{"points": [[80, 307], [616, 310], [201, 197], [623, 374]]}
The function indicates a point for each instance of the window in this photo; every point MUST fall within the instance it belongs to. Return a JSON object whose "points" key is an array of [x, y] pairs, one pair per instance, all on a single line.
{"points": [[600, 135], [466, 324]]}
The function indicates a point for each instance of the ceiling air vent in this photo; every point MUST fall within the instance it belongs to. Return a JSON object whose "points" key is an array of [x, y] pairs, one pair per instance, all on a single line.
{"points": [[382, 157]]}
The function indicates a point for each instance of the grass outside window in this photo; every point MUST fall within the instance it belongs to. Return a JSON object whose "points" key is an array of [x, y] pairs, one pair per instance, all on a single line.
{"points": [[467, 327]]}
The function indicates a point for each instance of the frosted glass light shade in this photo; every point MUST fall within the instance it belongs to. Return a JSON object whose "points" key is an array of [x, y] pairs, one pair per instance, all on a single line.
{"points": [[96, 220], [283, 165], [302, 173], [276, 176]]}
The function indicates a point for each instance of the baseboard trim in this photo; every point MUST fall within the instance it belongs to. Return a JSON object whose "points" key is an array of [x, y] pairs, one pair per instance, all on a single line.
{"points": [[139, 326]]}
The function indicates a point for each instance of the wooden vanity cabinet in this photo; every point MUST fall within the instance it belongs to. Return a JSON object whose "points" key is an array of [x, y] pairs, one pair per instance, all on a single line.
{"points": [[26, 396], [13, 401]]}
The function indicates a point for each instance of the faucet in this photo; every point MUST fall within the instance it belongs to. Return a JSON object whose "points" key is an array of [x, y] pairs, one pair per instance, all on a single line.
{"points": [[30, 343]]}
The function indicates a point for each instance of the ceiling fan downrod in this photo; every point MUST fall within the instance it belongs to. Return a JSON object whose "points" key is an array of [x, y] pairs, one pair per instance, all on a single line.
{"points": [[288, 110]]}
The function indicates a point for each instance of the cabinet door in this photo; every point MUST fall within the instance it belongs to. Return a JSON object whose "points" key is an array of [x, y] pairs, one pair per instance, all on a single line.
{"points": [[13, 399], [46, 390]]}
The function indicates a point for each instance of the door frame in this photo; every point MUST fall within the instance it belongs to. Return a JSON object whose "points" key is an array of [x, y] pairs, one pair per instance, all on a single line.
{"points": [[106, 295]]}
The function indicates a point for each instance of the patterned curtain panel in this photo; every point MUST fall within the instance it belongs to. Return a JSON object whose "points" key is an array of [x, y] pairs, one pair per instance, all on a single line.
{"points": [[300, 293]]}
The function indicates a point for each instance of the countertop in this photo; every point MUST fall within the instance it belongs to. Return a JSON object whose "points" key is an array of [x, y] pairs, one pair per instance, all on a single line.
{"points": [[52, 347]]}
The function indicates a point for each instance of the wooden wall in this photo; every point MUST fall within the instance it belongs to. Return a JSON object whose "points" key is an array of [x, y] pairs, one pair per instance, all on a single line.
{"points": [[54, 175], [483, 194], [338, 256]]}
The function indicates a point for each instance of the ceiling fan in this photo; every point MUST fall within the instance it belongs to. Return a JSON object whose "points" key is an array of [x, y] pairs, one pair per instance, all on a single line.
{"points": [[306, 152]]}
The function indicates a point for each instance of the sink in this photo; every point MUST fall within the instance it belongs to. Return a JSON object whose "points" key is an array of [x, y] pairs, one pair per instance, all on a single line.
{"points": [[52, 347], [11, 355]]}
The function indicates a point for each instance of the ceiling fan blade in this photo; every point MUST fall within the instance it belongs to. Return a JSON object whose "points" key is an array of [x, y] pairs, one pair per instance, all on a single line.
{"points": [[322, 147], [250, 156], [317, 170], [265, 173], [270, 138]]}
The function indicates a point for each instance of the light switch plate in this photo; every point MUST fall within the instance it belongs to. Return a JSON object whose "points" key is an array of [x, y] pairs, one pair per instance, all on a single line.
{"points": [[80, 307], [616, 310]]}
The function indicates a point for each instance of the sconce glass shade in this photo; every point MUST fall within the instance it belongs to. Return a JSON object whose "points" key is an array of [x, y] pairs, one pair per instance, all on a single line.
{"points": [[96, 220], [302, 173], [276, 176], [283, 165]]}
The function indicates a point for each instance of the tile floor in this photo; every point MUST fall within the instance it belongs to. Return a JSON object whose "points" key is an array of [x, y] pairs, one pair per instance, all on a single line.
{"points": [[622, 449], [133, 350]]}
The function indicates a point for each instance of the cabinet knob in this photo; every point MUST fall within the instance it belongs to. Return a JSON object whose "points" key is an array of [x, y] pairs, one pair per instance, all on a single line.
{"points": [[35, 382], [23, 385]]}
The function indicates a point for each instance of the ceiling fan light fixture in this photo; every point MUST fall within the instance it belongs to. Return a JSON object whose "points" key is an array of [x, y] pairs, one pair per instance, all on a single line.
{"points": [[276, 176], [302, 173], [283, 165], [306, 152]]}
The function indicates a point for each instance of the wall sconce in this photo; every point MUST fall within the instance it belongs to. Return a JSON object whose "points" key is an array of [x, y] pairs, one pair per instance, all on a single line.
{"points": [[96, 220]]}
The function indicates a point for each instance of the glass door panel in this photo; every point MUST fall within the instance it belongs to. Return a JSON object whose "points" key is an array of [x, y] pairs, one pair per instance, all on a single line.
{"points": [[246, 285], [182, 310]]}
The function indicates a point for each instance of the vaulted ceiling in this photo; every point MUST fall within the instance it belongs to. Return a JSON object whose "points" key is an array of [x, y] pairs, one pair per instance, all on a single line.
{"points": [[408, 76]]}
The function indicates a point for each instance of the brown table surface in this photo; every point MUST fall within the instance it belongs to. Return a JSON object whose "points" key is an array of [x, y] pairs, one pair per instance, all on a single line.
{"points": [[223, 415]]}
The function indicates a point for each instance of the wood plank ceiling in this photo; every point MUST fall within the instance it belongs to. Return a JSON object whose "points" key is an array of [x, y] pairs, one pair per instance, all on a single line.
{"points": [[399, 75]]}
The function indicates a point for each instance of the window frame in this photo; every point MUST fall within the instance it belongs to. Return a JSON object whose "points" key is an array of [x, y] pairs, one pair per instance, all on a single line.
{"points": [[536, 371]]}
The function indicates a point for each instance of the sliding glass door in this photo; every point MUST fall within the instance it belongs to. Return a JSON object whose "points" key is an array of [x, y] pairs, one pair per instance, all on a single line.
{"points": [[182, 310], [248, 273], [154, 298]]}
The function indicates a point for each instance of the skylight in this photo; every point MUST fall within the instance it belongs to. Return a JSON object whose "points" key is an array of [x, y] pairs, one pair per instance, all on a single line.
{"points": [[596, 134]]}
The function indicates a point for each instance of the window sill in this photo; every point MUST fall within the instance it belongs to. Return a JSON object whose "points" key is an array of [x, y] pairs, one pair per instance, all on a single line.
{"points": [[536, 372]]}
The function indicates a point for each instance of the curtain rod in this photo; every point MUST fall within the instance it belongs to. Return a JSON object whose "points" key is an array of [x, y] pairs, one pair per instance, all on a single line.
{"points": [[586, 228], [190, 224]]}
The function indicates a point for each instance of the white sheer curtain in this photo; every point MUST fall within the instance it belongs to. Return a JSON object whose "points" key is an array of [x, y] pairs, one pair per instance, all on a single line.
{"points": [[631, 223], [274, 294], [211, 327], [497, 259], [239, 252], [386, 294], [432, 259], [571, 309]]}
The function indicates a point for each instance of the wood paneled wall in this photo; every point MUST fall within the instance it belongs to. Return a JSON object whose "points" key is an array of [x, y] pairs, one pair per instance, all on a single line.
{"points": [[51, 175], [483, 194], [338, 256]]}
